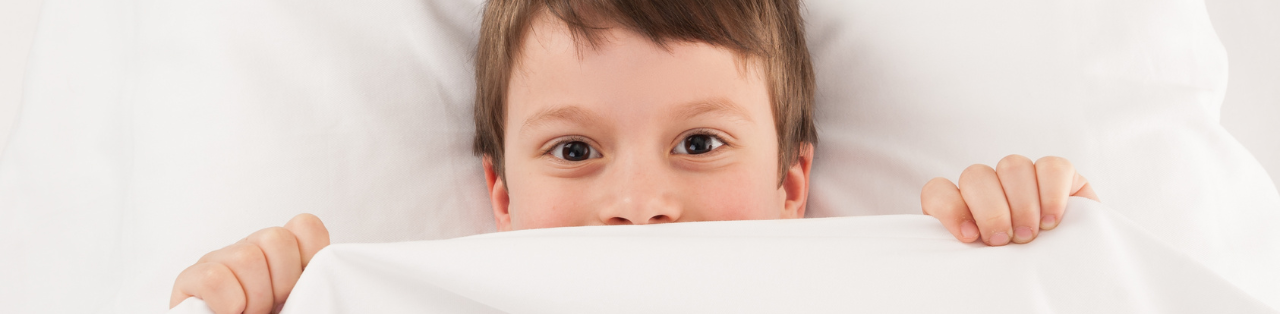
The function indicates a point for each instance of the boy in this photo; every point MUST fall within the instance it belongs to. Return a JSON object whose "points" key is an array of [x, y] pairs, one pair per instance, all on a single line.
{"points": [[599, 112]]}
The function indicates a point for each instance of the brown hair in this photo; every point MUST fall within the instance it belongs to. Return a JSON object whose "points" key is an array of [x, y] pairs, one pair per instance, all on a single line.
{"points": [[770, 31]]}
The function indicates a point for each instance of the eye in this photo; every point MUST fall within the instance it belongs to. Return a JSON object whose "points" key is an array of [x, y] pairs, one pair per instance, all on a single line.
{"points": [[698, 144], [574, 151]]}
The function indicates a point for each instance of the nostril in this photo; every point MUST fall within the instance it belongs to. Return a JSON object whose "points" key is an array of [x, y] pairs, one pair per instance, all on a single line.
{"points": [[659, 218], [619, 221]]}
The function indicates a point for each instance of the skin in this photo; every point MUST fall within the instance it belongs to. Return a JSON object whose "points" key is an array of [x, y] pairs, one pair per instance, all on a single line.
{"points": [[606, 97], [256, 274], [1012, 202], [635, 103]]}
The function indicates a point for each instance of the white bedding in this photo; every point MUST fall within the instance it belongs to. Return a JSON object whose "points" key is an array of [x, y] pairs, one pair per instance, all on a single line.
{"points": [[153, 132], [1096, 262]]}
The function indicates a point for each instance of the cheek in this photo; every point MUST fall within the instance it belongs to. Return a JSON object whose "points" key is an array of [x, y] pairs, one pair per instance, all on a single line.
{"points": [[734, 195], [546, 204]]}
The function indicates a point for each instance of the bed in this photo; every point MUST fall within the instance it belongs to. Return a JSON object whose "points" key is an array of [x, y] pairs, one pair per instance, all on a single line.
{"points": [[1100, 263], [152, 132]]}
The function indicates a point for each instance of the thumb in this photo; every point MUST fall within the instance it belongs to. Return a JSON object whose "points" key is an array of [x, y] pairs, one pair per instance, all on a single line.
{"points": [[311, 234], [1080, 187]]}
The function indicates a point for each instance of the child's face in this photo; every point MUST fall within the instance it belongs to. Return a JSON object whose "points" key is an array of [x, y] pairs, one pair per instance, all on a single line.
{"points": [[630, 133]]}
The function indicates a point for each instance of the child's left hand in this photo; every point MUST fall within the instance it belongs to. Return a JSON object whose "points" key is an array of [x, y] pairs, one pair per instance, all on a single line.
{"points": [[1014, 201]]}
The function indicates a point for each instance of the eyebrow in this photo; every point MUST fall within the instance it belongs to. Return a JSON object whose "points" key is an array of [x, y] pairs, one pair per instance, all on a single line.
{"points": [[573, 114], [713, 106], [577, 115]]}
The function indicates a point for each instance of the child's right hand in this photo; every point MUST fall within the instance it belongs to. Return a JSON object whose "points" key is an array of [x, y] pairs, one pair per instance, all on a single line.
{"points": [[256, 274]]}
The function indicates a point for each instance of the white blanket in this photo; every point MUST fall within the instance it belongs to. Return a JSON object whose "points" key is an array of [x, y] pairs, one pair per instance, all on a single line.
{"points": [[1096, 262]]}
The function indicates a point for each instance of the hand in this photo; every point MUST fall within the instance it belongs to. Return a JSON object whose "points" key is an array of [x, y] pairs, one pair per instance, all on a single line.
{"points": [[1014, 201], [254, 275]]}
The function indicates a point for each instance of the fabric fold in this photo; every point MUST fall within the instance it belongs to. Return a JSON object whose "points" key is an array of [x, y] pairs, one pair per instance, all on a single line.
{"points": [[1096, 261]]}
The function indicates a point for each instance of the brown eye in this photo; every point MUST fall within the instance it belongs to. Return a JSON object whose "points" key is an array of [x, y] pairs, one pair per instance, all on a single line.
{"points": [[698, 144], [574, 151]]}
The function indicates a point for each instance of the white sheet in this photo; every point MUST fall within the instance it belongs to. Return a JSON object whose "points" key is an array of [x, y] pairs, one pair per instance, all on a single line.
{"points": [[1096, 262], [153, 132]]}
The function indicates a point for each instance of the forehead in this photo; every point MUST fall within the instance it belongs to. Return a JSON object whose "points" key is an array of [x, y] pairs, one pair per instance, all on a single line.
{"points": [[626, 72], [549, 34]]}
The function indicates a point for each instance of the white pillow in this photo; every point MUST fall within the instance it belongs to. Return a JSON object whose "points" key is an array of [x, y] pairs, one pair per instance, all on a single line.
{"points": [[1129, 91], [156, 131]]}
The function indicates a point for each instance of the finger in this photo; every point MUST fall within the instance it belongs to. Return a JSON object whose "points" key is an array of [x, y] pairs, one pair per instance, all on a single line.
{"points": [[941, 199], [980, 188], [311, 234], [249, 265], [212, 282], [1080, 187], [1018, 178], [284, 261], [1056, 177]]}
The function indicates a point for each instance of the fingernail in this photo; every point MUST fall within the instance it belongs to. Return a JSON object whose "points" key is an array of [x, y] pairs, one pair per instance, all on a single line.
{"points": [[1048, 222], [968, 230], [1022, 235], [999, 238]]}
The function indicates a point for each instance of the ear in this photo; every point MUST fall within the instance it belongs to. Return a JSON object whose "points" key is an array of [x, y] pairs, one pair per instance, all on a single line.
{"points": [[795, 188], [498, 196]]}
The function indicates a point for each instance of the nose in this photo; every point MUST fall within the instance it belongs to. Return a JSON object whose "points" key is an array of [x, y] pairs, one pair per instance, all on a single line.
{"points": [[642, 213], [642, 193]]}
